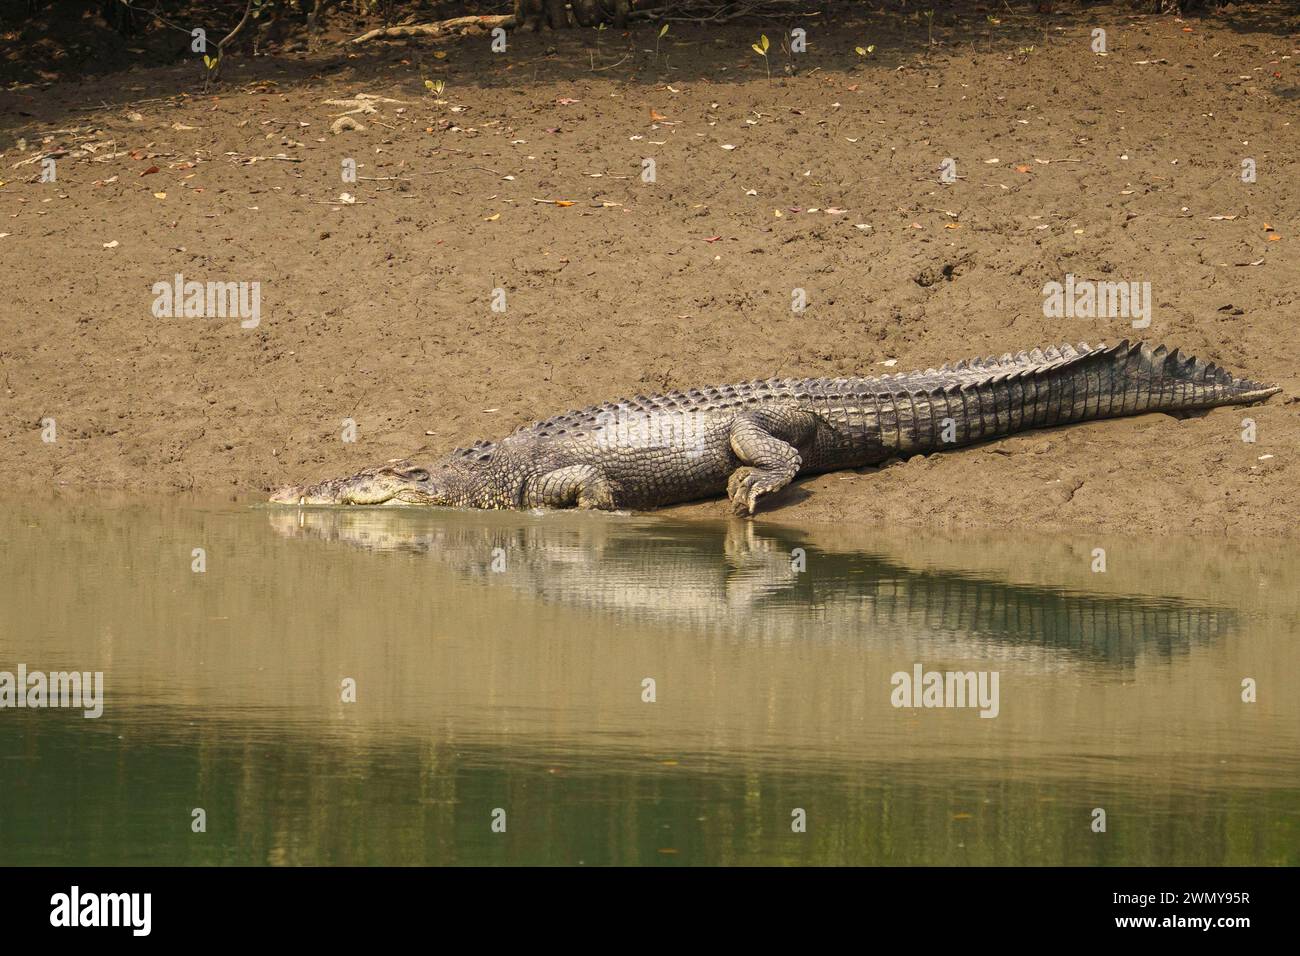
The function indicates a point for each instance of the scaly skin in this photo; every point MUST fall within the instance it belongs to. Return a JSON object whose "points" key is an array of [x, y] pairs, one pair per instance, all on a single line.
{"points": [[752, 439]]}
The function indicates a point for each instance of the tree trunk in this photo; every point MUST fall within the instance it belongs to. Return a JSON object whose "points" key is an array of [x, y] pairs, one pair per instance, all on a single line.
{"points": [[556, 14]]}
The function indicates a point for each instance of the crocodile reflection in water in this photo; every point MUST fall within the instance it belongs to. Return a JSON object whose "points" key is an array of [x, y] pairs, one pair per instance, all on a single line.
{"points": [[742, 580]]}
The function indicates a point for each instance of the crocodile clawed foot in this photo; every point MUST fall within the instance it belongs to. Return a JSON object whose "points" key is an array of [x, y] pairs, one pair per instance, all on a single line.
{"points": [[747, 485]]}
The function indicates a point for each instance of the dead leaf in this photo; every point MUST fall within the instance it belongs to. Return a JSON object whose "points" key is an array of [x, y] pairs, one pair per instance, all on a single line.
{"points": [[1022, 168], [149, 171]]}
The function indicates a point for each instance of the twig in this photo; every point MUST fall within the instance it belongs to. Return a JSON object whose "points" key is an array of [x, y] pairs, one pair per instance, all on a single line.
{"points": [[440, 28]]}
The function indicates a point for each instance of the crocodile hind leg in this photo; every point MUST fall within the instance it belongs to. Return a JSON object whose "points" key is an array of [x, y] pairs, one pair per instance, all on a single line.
{"points": [[767, 444], [582, 486]]}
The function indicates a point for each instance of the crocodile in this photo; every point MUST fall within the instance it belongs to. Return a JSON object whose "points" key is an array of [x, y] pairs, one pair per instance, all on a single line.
{"points": [[752, 439]]}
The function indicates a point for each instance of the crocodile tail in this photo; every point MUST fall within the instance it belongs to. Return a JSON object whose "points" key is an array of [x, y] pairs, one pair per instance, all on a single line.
{"points": [[979, 399], [1132, 378]]}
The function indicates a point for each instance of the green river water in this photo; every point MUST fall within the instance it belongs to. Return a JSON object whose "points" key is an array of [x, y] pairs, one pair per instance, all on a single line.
{"points": [[500, 665]]}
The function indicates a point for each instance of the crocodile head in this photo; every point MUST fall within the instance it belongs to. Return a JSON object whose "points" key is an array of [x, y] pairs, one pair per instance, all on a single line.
{"points": [[449, 483]]}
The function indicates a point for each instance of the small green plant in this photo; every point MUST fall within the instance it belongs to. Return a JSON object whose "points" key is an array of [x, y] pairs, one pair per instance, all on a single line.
{"points": [[865, 51], [993, 22], [595, 52], [213, 66], [663, 31], [929, 21], [435, 87], [761, 49]]}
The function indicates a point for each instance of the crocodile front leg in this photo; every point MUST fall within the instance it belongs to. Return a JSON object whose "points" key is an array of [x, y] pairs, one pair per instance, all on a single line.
{"points": [[767, 444], [583, 486]]}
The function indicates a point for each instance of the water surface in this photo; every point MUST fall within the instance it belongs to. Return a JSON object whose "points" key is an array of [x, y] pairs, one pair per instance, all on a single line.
{"points": [[499, 662]]}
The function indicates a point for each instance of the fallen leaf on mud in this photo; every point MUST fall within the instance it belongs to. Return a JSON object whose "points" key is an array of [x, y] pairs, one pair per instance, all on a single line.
{"points": [[111, 245], [835, 211], [181, 126], [778, 213], [555, 202], [712, 239], [917, 225], [566, 101], [1222, 218], [1022, 168], [492, 218], [149, 171], [1267, 227], [159, 195], [1274, 238], [347, 198], [656, 116], [864, 226], [3, 234], [751, 192], [728, 146], [992, 162], [952, 225]]}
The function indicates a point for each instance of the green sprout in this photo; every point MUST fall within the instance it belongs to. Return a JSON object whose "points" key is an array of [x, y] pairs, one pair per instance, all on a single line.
{"points": [[761, 49], [663, 31]]}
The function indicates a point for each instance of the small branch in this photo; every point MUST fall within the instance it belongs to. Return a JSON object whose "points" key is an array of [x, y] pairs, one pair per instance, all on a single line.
{"points": [[440, 28]]}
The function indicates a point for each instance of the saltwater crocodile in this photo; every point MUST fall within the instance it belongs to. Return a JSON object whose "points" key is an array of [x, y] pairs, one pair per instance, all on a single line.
{"points": [[752, 439]]}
